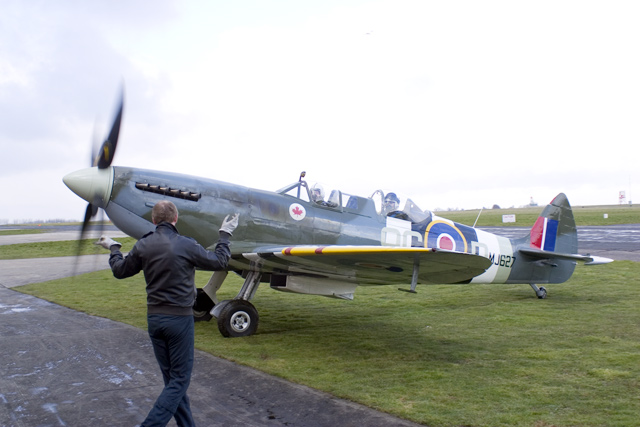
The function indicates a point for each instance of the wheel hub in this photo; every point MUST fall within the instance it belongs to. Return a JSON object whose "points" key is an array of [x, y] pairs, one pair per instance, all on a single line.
{"points": [[240, 321]]}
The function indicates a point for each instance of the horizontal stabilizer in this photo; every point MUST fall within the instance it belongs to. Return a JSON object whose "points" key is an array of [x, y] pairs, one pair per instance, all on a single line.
{"points": [[597, 260], [586, 259]]}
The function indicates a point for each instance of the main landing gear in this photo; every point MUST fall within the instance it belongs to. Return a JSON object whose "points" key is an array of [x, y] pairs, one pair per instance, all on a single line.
{"points": [[236, 317], [541, 292]]}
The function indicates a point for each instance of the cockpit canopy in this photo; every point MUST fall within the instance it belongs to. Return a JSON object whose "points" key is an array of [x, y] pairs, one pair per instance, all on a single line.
{"points": [[397, 205], [387, 203]]}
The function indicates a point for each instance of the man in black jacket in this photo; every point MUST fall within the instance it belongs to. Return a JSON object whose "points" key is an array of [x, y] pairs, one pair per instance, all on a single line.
{"points": [[168, 261]]}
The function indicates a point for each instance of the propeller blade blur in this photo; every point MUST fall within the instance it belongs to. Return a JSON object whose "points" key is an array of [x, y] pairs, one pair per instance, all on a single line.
{"points": [[108, 148], [89, 213]]}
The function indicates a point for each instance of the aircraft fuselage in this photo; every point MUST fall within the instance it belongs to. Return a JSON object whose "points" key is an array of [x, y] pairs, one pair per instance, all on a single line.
{"points": [[271, 220]]}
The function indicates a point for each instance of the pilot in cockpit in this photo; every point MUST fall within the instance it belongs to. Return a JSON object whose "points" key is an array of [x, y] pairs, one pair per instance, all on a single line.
{"points": [[317, 193], [391, 203], [391, 206]]}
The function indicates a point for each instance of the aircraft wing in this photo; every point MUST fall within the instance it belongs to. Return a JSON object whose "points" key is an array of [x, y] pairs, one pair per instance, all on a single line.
{"points": [[381, 265]]}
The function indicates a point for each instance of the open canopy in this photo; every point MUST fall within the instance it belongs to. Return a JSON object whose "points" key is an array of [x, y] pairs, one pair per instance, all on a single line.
{"points": [[387, 203]]}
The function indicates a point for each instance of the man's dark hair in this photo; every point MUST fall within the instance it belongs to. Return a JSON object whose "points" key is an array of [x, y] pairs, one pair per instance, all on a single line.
{"points": [[164, 211]]}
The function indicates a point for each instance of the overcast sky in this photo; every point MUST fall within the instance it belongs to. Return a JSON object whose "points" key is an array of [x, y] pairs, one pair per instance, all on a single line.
{"points": [[457, 104]]}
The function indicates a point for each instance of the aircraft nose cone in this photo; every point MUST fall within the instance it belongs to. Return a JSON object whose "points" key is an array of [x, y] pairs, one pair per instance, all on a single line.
{"points": [[93, 185]]}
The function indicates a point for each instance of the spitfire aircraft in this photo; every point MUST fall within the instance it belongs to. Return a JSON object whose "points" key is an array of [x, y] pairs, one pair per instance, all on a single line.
{"points": [[300, 240]]}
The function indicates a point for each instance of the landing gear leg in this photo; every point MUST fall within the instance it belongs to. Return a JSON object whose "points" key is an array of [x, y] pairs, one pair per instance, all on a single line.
{"points": [[206, 297], [541, 292], [414, 278], [213, 285], [238, 317]]}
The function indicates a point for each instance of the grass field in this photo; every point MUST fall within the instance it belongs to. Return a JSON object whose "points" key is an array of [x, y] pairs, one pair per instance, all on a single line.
{"points": [[526, 217], [477, 355], [12, 232], [59, 248]]}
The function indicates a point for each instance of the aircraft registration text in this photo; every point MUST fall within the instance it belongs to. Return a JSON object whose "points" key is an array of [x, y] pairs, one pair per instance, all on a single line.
{"points": [[502, 260]]}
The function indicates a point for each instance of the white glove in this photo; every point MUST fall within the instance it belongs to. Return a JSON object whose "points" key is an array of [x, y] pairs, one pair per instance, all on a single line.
{"points": [[107, 242], [230, 224]]}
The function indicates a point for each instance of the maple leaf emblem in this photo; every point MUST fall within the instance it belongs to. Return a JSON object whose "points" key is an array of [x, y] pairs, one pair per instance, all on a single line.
{"points": [[297, 212]]}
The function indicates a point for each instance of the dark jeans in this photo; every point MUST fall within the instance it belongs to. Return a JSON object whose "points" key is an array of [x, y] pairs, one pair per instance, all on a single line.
{"points": [[172, 338]]}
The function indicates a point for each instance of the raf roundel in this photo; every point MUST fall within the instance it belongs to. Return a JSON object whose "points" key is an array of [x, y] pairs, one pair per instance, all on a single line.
{"points": [[444, 235], [297, 211]]}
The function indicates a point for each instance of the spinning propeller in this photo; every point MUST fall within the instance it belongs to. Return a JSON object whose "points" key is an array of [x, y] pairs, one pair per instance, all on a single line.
{"points": [[87, 183]]}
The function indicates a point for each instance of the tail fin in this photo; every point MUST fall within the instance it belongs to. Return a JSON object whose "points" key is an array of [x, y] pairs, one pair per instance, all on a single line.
{"points": [[550, 249], [555, 229], [554, 236]]}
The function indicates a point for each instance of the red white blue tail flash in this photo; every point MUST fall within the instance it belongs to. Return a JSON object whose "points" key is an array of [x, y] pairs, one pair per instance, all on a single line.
{"points": [[544, 233]]}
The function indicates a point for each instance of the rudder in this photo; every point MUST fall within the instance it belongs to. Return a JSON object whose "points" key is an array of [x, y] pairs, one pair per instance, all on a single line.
{"points": [[555, 229]]}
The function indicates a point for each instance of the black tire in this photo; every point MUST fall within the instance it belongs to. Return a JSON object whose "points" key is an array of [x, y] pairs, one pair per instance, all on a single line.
{"points": [[202, 307], [238, 318], [543, 293]]}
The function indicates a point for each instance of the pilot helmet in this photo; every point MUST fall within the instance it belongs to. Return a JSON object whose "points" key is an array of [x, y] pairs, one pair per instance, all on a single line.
{"points": [[317, 193], [391, 201]]}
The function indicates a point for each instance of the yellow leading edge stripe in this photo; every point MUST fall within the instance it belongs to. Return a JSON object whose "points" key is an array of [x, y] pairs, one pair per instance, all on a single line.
{"points": [[325, 250]]}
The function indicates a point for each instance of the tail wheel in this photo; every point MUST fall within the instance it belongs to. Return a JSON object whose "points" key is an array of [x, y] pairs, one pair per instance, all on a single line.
{"points": [[543, 293], [238, 318]]}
